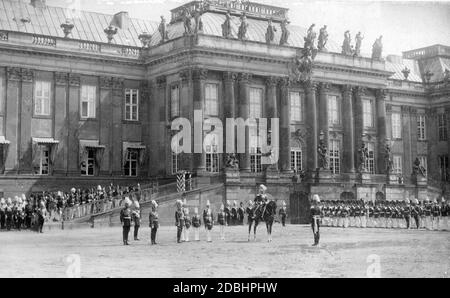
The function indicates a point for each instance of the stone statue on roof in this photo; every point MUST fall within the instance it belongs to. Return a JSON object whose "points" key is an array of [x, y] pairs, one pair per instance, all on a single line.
{"points": [[323, 39], [359, 38], [198, 20], [270, 34], [187, 22], [377, 48], [226, 26], [346, 46], [163, 30], [243, 28], [284, 33], [310, 38]]}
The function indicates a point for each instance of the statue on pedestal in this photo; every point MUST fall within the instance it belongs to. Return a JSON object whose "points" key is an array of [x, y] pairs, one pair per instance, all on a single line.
{"points": [[363, 157], [324, 160], [418, 169], [323, 39], [198, 20], [310, 38], [163, 30], [242, 33], [232, 162], [359, 39], [270, 34], [187, 22], [377, 48], [388, 159], [226, 26], [346, 46], [284, 33]]}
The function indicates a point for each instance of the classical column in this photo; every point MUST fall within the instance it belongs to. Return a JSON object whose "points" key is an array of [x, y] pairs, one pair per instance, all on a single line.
{"points": [[12, 114], [73, 143], [349, 129], [359, 118], [106, 124], [26, 113], [199, 77], [272, 107], [244, 113], [160, 134], [229, 111], [61, 121], [144, 115], [382, 129], [407, 144], [324, 88], [285, 126], [117, 120], [312, 124]]}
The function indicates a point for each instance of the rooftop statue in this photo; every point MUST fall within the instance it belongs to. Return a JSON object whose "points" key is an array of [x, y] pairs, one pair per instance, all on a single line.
{"points": [[226, 26], [346, 46], [163, 30], [284, 33], [303, 65], [377, 48], [198, 20], [243, 28], [270, 34], [187, 22], [323, 39], [310, 38], [359, 38]]}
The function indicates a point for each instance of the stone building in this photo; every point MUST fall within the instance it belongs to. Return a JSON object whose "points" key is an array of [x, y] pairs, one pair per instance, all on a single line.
{"points": [[89, 98]]}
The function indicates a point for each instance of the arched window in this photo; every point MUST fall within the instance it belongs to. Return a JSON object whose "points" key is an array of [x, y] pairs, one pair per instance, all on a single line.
{"points": [[296, 157]]}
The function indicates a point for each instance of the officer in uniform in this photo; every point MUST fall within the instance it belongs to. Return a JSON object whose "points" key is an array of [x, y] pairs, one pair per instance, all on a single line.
{"points": [[19, 214], [415, 212], [42, 213], [153, 220], [187, 225], [227, 211], [260, 200], [283, 214], [2, 213], [221, 220], [179, 220], [241, 213], [234, 214], [436, 215], [444, 214], [428, 210], [208, 220], [346, 214], [9, 214], [196, 224], [136, 217], [316, 216], [125, 219], [407, 212]]}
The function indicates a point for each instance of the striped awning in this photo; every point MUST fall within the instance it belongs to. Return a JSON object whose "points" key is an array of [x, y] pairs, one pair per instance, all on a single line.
{"points": [[45, 141], [95, 144], [131, 145], [3, 141]]}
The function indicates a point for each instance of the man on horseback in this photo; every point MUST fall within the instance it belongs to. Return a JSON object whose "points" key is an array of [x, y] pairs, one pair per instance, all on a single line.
{"points": [[260, 202]]}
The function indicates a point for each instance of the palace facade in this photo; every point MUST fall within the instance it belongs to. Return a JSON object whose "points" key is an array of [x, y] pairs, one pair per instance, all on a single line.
{"points": [[87, 98]]}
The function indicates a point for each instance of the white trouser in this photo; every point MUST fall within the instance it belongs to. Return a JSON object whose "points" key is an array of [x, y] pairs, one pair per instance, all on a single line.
{"points": [[222, 232], [186, 233], [197, 234], [208, 235]]}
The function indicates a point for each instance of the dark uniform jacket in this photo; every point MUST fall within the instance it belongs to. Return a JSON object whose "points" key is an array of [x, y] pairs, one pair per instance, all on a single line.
{"points": [[208, 219], [221, 218], [153, 219], [196, 222], [179, 219], [125, 217]]}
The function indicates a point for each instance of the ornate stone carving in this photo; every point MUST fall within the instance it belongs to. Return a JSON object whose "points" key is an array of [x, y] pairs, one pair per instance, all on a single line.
{"points": [[185, 75], [270, 33], [199, 74], [324, 87], [322, 151], [377, 48], [363, 157], [245, 78], [381, 94], [146, 39], [3, 36], [74, 80], [118, 83], [161, 81], [27, 75], [229, 76], [61, 78], [243, 28], [347, 90], [406, 71], [360, 91], [388, 157], [285, 33], [198, 20], [14, 74], [359, 38], [285, 82], [187, 22], [388, 108], [310, 86], [302, 68], [346, 45], [226, 26], [418, 169], [232, 162], [110, 31], [162, 28], [106, 82], [323, 39], [272, 81], [67, 28]]}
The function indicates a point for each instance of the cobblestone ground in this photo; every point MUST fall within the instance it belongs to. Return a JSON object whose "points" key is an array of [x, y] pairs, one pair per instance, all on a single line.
{"points": [[343, 253]]}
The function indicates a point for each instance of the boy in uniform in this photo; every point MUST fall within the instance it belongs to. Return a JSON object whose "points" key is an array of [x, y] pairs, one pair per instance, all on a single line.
{"points": [[196, 224], [125, 219], [153, 221]]}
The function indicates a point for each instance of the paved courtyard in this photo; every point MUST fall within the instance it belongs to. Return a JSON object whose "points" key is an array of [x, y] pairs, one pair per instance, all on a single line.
{"points": [[343, 253]]}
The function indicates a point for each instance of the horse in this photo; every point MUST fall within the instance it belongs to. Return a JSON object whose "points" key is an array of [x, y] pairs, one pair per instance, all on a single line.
{"points": [[267, 216]]}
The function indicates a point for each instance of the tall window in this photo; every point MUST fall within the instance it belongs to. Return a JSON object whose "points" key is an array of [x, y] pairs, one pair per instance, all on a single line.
{"points": [[44, 160], [297, 159], [368, 113], [421, 127], [424, 163], [397, 164], [335, 156], [212, 158], [370, 162], [256, 101], [175, 163], [42, 98], [174, 102], [296, 106], [132, 104], [444, 167], [88, 96], [255, 159], [333, 110], [211, 100], [2, 96], [88, 165], [442, 127], [396, 126], [131, 163]]}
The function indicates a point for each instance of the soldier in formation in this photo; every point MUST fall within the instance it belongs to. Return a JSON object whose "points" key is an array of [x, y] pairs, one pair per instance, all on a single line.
{"points": [[125, 219], [221, 220], [179, 220], [196, 224], [153, 222], [208, 220]]}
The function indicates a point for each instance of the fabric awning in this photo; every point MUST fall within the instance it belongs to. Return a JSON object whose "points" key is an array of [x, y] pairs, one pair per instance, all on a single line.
{"points": [[45, 141], [95, 144], [130, 145], [3, 141]]}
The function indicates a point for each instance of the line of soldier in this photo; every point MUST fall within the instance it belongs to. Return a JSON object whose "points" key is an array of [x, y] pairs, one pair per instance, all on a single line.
{"points": [[430, 215], [22, 213]]}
